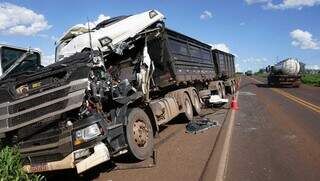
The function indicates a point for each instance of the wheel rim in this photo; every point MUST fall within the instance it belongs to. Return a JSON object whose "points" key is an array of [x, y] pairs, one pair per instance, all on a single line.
{"points": [[140, 133]]}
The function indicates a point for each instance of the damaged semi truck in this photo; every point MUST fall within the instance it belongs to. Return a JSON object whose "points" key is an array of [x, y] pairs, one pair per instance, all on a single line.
{"points": [[94, 105]]}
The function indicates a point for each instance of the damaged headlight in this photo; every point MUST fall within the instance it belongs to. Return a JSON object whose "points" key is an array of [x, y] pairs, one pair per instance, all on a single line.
{"points": [[105, 41], [86, 134]]}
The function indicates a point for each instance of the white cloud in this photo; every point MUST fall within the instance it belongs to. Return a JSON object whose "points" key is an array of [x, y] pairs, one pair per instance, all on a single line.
{"points": [[242, 23], [313, 67], [254, 60], [47, 60], [92, 24], [285, 4], [256, 1], [46, 36], [206, 15], [17, 20], [101, 18], [221, 46], [292, 4], [252, 63], [238, 68], [304, 40]]}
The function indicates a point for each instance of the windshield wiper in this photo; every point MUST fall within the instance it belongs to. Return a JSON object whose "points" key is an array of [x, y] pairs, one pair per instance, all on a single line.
{"points": [[16, 63]]}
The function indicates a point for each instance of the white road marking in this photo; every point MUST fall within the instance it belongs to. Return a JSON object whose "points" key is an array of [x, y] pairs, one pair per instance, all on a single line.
{"points": [[247, 94], [223, 162]]}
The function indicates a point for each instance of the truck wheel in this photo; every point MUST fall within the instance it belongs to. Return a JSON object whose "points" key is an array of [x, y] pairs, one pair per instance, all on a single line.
{"points": [[233, 89], [188, 110], [139, 134], [219, 91], [196, 103]]}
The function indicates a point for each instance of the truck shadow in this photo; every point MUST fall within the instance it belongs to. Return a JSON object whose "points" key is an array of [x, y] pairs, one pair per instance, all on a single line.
{"points": [[95, 172]]}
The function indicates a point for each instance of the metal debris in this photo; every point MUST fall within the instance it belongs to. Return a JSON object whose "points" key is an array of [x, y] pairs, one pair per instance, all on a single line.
{"points": [[200, 125]]}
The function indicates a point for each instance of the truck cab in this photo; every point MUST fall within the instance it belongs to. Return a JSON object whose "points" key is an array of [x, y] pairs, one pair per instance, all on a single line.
{"points": [[14, 60]]}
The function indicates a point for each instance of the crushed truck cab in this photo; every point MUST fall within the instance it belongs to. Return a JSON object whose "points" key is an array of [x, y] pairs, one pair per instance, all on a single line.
{"points": [[92, 106]]}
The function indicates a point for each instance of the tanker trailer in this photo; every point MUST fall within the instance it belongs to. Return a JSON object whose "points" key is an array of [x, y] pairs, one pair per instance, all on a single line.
{"points": [[285, 72]]}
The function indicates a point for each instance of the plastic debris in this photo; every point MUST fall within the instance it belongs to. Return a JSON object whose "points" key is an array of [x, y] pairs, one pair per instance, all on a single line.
{"points": [[216, 99], [200, 125]]}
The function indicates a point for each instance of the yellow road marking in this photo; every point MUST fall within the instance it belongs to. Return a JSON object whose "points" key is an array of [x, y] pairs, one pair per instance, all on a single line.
{"points": [[298, 100], [294, 98]]}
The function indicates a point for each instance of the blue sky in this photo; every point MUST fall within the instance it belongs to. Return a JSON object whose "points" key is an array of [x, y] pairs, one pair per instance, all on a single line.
{"points": [[259, 32]]}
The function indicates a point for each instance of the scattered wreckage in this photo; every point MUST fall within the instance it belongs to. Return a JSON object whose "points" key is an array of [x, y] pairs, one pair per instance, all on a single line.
{"points": [[94, 105]]}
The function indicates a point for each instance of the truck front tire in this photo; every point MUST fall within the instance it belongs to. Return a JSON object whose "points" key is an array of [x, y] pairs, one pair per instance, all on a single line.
{"points": [[139, 134]]}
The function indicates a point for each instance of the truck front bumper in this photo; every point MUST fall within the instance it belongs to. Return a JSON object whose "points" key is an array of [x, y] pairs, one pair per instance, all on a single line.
{"points": [[100, 154]]}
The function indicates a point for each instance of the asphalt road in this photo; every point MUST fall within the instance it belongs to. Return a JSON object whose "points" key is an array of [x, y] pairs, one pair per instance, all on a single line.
{"points": [[273, 136], [180, 155], [276, 134]]}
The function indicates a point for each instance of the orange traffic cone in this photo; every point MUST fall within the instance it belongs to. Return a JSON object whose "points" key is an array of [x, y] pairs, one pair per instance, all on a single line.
{"points": [[234, 104]]}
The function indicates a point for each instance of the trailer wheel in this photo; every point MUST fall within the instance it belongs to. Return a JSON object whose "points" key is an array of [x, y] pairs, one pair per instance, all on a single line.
{"points": [[231, 89], [234, 88], [223, 91], [196, 104], [139, 134], [219, 91], [188, 109]]}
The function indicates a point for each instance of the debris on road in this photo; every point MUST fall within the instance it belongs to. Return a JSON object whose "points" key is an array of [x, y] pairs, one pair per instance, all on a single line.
{"points": [[148, 163], [216, 99], [200, 125]]}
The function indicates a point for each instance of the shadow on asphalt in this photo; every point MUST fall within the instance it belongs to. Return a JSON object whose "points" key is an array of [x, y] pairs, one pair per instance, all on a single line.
{"points": [[94, 172], [274, 86]]}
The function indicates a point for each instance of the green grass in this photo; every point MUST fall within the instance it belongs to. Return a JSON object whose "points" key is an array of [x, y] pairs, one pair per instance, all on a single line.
{"points": [[311, 79], [261, 74], [11, 166]]}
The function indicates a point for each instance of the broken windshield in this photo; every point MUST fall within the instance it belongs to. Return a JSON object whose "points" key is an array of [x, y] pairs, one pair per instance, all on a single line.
{"points": [[10, 55]]}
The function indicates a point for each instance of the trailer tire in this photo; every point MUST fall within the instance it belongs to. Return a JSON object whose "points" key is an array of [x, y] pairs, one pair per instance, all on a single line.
{"points": [[187, 107], [196, 103], [223, 91], [234, 88], [219, 91], [139, 134]]}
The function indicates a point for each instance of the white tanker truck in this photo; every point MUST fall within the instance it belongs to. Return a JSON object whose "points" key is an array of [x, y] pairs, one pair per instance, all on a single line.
{"points": [[285, 72]]}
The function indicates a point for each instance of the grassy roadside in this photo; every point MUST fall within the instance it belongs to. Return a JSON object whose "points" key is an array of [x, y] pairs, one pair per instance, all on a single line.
{"points": [[311, 79], [264, 75], [11, 166]]}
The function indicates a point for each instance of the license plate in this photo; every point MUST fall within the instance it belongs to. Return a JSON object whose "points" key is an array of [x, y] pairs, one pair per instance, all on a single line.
{"points": [[39, 168]]}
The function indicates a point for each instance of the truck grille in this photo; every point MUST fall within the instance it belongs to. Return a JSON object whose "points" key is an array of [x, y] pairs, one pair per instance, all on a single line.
{"points": [[48, 146], [25, 111], [37, 101], [36, 113]]}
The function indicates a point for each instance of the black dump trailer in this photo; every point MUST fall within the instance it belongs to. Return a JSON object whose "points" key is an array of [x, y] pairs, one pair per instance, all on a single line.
{"points": [[89, 108], [225, 68]]}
